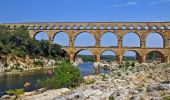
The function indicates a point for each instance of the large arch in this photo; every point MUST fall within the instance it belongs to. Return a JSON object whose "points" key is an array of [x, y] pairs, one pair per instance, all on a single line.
{"points": [[154, 40], [61, 38], [84, 39], [108, 39], [131, 55], [109, 56], [131, 39], [41, 36], [155, 56], [86, 55]]}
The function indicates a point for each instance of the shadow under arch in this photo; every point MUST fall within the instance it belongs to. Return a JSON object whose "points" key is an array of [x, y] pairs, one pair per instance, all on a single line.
{"points": [[109, 56], [112, 36], [41, 35], [90, 42], [85, 54], [62, 38], [155, 56], [127, 40], [130, 56], [154, 40]]}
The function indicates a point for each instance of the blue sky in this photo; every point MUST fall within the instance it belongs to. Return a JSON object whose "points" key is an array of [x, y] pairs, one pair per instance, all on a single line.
{"points": [[14, 11]]}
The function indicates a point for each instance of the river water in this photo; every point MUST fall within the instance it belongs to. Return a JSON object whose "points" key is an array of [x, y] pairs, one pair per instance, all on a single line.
{"points": [[17, 81]]}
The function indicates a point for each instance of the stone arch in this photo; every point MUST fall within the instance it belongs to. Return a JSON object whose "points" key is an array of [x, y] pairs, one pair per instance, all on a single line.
{"points": [[48, 27], [68, 27], [75, 27], [86, 52], [139, 27], [61, 38], [154, 27], [102, 27], [116, 27], [88, 39], [88, 27], [81, 27], [124, 27], [131, 27], [131, 55], [112, 39], [95, 27], [109, 55], [109, 27], [41, 27], [155, 56], [129, 42], [155, 40], [61, 27], [146, 27], [41, 35]]}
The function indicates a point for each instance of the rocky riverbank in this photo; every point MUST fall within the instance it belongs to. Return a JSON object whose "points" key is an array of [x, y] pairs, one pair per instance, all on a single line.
{"points": [[128, 82]]}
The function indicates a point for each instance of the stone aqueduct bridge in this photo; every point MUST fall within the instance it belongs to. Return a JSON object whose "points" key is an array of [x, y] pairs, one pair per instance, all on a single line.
{"points": [[142, 29]]}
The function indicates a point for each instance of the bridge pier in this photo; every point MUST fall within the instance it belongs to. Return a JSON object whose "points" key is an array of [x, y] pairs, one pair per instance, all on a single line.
{"points": [[119, 58], [143, 59]]}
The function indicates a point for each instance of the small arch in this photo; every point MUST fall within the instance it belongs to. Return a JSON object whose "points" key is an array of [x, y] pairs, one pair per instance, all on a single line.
{"points": [[34, 27], [81, 27], [124, 27], [75, 27], [154, 27], [154, 40], [108, 39], [131, 55], [48, 27], [68, 27], [54, 27], [41, 36], [61, 38], [95, 27], [61, 27], [102, 27], [116, 27], [28, 27], [139, 27], [168, 27], [41, 27], [131, 39], [109, 27], [146, 27], [84, 39], [155, 56], [162, 27], [85, 55], [131, 27], [88, 27], [109, 56]]}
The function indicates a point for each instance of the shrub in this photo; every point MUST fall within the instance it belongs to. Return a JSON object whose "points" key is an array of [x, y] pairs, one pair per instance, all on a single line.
{"points": [[15, 92], [65, 75]]}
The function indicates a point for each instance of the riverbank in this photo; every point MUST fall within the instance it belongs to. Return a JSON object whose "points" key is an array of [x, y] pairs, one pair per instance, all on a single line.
{"points": [[143, 82], [27, 72]]}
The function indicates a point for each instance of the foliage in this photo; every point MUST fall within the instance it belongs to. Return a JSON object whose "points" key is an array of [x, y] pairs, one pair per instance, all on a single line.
{"points": [[18, 42], [39, 63], [87, 58], [65, 75], [90, 81], [111, 98], [15, 92], [166, 98]]}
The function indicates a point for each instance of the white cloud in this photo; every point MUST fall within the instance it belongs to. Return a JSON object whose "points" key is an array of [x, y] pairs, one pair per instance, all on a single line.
{"points": [[123, 5], [159, 1]]}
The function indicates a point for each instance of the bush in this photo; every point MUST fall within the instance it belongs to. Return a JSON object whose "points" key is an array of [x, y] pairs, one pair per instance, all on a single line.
{"points": [[65, 75], [15, 92]]}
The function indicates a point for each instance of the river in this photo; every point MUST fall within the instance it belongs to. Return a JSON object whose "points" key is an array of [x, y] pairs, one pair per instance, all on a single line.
{"points": [[17, 81]]}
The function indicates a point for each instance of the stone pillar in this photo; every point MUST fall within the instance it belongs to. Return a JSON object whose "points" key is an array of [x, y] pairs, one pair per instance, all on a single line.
{"points": [[97, 43], [143, 59], [166, 44], [71, 57], [98, 58], [119, 43], [119, 58], [71, 42], [143, 44]]}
